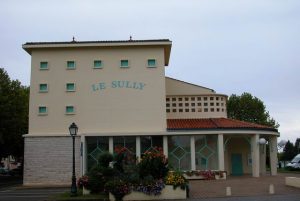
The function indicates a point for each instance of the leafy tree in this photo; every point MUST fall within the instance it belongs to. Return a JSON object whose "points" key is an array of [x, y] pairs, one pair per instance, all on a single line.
{"points": [[249, 108], [288, 151], [14, 103]]}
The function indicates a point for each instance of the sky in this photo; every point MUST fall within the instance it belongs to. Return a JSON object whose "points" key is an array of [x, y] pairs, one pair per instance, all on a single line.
{"points": [[231, 46]]}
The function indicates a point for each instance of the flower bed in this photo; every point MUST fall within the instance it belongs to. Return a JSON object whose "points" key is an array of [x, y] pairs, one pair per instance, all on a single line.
{"points": [[167, 193], [205, 174]]}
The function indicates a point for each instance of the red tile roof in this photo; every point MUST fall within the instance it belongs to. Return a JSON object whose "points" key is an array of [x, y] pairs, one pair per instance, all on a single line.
{"points": [[213, 123]]}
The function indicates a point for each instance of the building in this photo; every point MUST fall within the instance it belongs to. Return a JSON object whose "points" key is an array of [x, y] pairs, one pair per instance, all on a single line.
{"points": [[118, 95]]}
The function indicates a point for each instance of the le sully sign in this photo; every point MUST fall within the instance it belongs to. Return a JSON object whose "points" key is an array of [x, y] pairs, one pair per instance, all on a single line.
{"points": [[118, 84]]}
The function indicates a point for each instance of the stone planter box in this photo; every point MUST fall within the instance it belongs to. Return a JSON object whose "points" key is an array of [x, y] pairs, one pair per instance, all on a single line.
{"points": [[292, 181], [167, 193], [221, 175]]}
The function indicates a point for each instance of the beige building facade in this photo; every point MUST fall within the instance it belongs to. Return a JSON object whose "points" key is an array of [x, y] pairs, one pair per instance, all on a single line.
{"points": [[118, 95]]}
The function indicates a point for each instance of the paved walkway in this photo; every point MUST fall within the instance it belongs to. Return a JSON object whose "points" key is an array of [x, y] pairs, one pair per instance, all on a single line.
{"points": [[242, 186]]}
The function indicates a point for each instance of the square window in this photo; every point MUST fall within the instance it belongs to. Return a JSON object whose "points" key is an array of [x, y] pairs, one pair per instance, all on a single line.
{"points": [[179, 99], [186, 98], [168, 110], [168, 104], [187, 110], [43, 65], [70, 64], [193, 98], [199, 110], [173, 104], [211, 104], [205, 98], [173, 99], [97, 64], [212, 109], [211, 98], [217, 98], [180, 104], [42, 110], [70, 109], [174, 110], [70, 87], [180, 110], [124, 64], [192, 104], [205, 109], [218, 109], [151, 63], [198, 98], [187, 104], [199, 104], [193, 110], [43, 88], [217, 104], [205, 104], [167, 99]]}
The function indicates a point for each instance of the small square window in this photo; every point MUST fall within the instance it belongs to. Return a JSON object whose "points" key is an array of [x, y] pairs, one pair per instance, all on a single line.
{"points": [[211, 98], [218, 109], [180, 110], [151, 63], [198, 98], [43, 88], [193, 98], [167, 99], [211, 104], [192, 104], [70, 64], [173, 104], [205, 104], [174, 110], [217, 104], [217, 98], [180, 104], [97, 64], [179, 99], [43, 65], [199, 104], [168, 110], [212, 109], [43, 110], [187, 110], [199, 110], [70, 87], [124, 64], [193, 110], [205, 109], [186, 98], [70, 109], [168, 104], [173, 99], [187, 104], [205, 98]]}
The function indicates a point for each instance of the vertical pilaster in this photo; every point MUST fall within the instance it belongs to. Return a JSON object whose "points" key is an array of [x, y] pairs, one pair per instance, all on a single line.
{"points": [[273, 154], [165, 144], [83, 161], [255, 155], [111, 145], [193, 153], [138, 147], [221, 152]]}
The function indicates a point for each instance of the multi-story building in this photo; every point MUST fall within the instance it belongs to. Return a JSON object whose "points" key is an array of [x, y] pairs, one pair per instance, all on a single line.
{"points": [[118, 95]]}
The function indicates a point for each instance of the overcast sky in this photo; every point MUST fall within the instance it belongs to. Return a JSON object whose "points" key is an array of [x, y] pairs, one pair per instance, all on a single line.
{"points": [[231, 46]]}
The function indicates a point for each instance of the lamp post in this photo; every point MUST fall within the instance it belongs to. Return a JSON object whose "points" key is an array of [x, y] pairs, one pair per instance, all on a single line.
{"points": [[73, 131]]}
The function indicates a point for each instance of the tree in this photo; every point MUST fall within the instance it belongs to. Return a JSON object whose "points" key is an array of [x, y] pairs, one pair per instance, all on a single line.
{"points": [[288, 151], [249, 108], [14, 104]]}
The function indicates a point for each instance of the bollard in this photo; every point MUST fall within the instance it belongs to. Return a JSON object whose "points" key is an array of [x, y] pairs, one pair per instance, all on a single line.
{"points": [[228, 191], [271, 189]]}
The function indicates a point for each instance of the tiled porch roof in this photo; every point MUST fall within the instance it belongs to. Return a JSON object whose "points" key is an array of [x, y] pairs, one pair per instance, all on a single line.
{"points": [[214, 124]]}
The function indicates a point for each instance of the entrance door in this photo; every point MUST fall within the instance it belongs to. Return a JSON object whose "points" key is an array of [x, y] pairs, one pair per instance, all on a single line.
{"points": [[236, 164]]}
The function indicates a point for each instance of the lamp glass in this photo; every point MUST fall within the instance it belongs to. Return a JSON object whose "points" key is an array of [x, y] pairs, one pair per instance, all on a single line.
{"points": [[73, 129]]}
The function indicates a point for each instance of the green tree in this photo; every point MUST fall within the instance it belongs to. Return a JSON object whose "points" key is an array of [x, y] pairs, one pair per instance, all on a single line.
{"points": [[249, 108], [14, 103], [288, 151]]}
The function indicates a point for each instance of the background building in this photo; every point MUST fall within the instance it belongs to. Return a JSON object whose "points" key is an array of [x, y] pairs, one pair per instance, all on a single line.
{"points": [[118, 95]]}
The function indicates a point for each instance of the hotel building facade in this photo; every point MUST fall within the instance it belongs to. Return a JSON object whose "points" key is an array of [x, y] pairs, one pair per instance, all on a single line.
{"points": [[118, 95]]}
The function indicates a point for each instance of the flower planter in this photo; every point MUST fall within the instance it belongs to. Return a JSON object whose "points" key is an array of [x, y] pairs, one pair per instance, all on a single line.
{"points": [[205, 175], [167, 193], [85, 191]]}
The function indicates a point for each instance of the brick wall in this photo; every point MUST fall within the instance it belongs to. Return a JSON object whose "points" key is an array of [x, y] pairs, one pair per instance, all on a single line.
{"points": [[48, 160]]}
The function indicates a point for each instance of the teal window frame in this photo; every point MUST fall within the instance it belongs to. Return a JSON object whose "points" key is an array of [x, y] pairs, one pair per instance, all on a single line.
{"points": [[43, 65], [71, 65], [124, 63], [98, 64], [151, 63], [70, 109], [43, 110], [70, 87], [43, 88]]}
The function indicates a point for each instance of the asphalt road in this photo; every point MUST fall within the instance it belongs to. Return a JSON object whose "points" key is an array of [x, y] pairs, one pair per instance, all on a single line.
{"points": [[17, 194]]}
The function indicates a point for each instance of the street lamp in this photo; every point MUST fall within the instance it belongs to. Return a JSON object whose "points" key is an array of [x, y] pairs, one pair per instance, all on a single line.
{"points": [[73, 131]]}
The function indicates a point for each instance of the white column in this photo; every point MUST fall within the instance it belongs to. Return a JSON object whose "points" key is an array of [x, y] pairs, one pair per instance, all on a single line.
{"points": [[111, 145], [273, 154], [262, 159], [221, 152], [165, 143], [138, 147], [83, 155], [193, 153], [255, 155]]}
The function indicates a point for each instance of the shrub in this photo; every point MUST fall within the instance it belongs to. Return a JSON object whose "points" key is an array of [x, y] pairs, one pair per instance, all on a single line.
{"points": [[153, 163], [118, 188]]}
